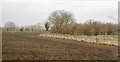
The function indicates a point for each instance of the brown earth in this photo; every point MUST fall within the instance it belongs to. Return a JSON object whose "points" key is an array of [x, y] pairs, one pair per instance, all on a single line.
{"points": [[30, 46]]}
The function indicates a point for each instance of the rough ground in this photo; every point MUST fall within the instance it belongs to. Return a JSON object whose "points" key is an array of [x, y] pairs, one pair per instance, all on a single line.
{"points": [[29, 46]]}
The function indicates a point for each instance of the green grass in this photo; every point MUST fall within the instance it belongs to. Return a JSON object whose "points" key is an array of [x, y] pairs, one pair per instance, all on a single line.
{"points": [[112, 36], [115, 36]]}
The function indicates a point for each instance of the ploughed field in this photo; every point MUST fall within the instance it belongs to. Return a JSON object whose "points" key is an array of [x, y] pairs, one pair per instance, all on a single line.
{"points": [[30, 46]]}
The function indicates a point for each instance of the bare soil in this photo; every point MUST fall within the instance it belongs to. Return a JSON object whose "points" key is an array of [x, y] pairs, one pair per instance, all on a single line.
{"points": [[30, 46]]}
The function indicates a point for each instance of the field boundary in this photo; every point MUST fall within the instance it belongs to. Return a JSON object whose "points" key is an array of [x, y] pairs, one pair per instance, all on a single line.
{"points": [[82, 38]]}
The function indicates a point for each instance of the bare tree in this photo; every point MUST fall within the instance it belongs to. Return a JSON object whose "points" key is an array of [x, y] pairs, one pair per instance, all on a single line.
{"points": [[60, 17], [38, 27], [110, 28], [0, 28], [10, 26]]}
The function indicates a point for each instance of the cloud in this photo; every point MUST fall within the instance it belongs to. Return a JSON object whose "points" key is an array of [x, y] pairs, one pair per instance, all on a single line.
{"points": [[30, 12]]}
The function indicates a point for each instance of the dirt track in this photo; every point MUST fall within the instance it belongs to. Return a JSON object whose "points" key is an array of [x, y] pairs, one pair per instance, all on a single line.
{"points": [[29, 46]]}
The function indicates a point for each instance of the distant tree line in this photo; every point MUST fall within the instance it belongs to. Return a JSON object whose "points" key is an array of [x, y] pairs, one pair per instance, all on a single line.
{"points": [[11, 26], [64, 22], [91, 28], [61, 21]]}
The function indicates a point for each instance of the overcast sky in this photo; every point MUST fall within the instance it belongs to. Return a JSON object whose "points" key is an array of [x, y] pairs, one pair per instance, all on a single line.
{"points": [[29, 12]]}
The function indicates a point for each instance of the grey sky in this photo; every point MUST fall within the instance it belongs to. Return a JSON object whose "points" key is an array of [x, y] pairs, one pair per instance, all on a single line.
{"points": [[32, 11]]}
